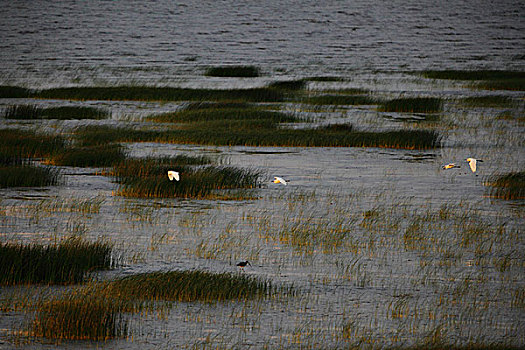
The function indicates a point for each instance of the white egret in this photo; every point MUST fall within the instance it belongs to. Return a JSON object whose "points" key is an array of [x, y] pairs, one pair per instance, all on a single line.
{"points": [[450, 166], [173, 175], [244, 263], [277, 179], [472, 162]]}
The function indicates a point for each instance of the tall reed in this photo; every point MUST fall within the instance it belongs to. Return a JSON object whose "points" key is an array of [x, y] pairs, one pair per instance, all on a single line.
{"points": [[64, 263], [80, 315], [189, 286], [508, 186], [27, 175]]}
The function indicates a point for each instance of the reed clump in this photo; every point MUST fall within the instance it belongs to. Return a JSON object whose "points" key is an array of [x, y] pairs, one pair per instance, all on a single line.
{"points": [[224, 113], [61, 113], [94, 156], [487, 101], [27, 175], [100, 135], [487, 79], [150, 93], [203, 182], [340, 100], [288, 85], [7, 91], [81, 315], [508, 186], [66, 262], [233, 71], [189, 286], [26, 144], [412, 105]]}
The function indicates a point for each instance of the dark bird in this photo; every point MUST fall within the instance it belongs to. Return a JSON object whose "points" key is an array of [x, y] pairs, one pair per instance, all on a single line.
{"points": [[244, 263]]}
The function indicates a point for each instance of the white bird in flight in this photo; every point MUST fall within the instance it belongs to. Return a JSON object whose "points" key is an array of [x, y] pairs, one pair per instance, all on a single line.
{"points": [[450, 166], [472, 163], [277, 179], [173, 175]]}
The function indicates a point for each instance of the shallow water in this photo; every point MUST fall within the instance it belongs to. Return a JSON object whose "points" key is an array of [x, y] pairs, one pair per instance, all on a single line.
{"points": [[463, 281]]}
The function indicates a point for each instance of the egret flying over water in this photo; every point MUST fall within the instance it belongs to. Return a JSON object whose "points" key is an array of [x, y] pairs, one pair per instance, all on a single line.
{"points": [[173, 175], [472, 162], [244, 263], [450, 166], [277, 179]]}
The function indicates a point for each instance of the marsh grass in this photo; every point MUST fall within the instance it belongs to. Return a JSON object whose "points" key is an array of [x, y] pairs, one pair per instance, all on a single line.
{"points": [[7, 91], [189, 286], [507, 186], [27, 175], [66, 262], [487, 79], [201, 182], [61, 113], [24, 144], [224, 113], [413, 105], [94, 156], [80, 315], [340, 100], [103, 135], [487, 101], [233, 71], [288, 85], [147, 93]]}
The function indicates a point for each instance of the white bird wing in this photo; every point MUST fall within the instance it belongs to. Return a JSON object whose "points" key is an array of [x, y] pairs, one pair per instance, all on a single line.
{"points": [[472, 164], [173, 175], [280, 179]]}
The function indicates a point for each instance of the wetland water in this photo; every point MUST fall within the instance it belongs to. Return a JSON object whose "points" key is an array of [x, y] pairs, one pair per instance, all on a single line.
{"points": [[383, 247]]}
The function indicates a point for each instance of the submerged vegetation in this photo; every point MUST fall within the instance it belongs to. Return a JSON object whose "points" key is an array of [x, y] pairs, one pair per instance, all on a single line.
{"points": [[64, 263], [508, 186]]}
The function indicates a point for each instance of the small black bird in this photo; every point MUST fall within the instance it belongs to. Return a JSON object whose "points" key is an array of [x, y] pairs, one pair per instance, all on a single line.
{"points": [[244, 263]]}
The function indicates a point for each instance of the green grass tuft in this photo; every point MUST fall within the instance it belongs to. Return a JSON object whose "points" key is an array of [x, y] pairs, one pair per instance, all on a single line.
{"points": [[63, 263], [489, 79], [290, 85], [413, 105], [233, 71]]}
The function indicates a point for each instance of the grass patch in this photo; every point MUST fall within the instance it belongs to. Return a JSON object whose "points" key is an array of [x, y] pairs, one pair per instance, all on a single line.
{"points": [[81, 315], [508, 186], [233, 71], [63, 263], [413, 105], [14, 92], [224, 113], [489, 79], [146, 93], [264, 136], [290, 85], [16, 143], [203, 182], [62, 113], [325, 79], [95, 156], [26, 175], [189, 286], [487, 101], [337, 100]]}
